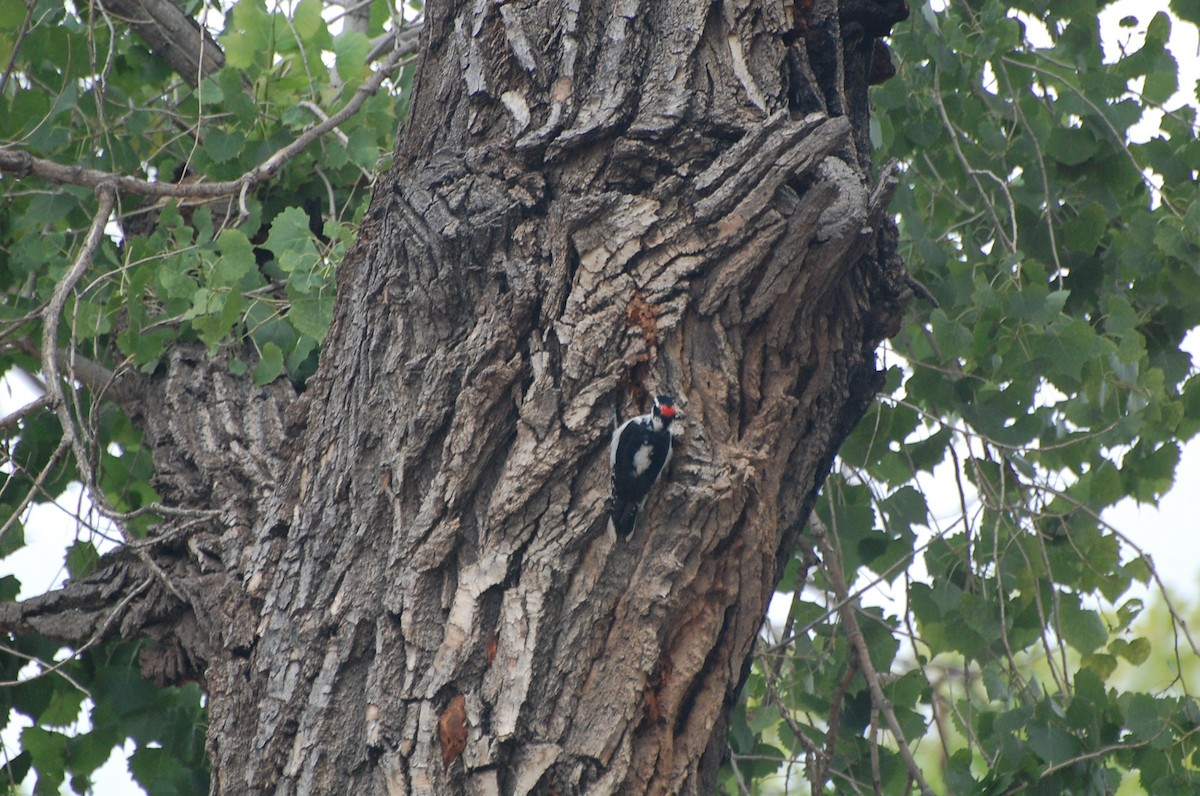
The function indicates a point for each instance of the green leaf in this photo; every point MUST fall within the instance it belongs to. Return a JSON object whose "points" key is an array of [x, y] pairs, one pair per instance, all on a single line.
{"points": [[159, 772], [306, 19], [1150, 473], [10, 587], [363, 148], [290, 235], [351, 49], [1084, 232], [1072, 146], [1186, 10], [1099, 664], [46, 750], [247, 41], [1104, 486], [145, 348], [223, 146], [82, 559], [86, 753], [1082, 628], [236, 266], [311, 315], [15, 770], [63, 710], [1136, 652], [269, 366], [14, 538], [175, 283], [958, 773], [1143, 717], [1053, 745], [906, 507], [122, 688]]}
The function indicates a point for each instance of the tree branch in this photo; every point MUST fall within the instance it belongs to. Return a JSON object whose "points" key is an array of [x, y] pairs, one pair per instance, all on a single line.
{"points": [[80, 609], [99, 634], [181, 41], [21, 164], [406, 39], [53, 313], [117, 387], [10, 420], [38, 483], [855, 638]]}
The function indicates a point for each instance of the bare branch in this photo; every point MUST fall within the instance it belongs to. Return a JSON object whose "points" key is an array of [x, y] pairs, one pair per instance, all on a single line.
{"points": [[855, 638], [99, 634], [53, 314], [34, 490], [83, 612], [9, 421], [115, 386], [16, 48], [404, 41]]}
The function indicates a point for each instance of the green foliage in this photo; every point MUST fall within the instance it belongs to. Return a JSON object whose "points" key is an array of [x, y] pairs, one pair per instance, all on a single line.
{"points": [[166, 725], [252, 273], [183, 270], [1047, 385]]}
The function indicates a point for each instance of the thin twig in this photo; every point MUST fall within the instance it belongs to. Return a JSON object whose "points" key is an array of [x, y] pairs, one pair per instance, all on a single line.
{"points": [[16, 47], [743, 789], [818, 758], [1009, 242], [53, 315], [38, 485], [1180, 622], [873, 735], [9, 421], [88, 372]]}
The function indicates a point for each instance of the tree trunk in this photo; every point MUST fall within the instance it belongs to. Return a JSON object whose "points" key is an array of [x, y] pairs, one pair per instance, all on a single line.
{"points": [[412, 587]]}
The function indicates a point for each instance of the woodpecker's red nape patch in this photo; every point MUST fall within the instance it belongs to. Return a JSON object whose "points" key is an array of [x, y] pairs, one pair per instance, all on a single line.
{"points": [[666, 411]]}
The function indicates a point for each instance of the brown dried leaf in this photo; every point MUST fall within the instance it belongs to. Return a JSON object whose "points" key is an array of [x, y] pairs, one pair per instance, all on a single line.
{"points": [[452, 729]]}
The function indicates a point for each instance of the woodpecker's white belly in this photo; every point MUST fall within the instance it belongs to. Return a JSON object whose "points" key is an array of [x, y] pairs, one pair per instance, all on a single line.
{"points": [[641, 459]]}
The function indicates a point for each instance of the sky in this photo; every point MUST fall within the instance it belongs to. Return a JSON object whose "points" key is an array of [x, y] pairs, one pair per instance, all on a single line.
{"points": [[1164, 531]]}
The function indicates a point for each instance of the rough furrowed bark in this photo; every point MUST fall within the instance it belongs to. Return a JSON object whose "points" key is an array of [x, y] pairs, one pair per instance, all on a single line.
{"points": [[592, 202], [218, 446]]}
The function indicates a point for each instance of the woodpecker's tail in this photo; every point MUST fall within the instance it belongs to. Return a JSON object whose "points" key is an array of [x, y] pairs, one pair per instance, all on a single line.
{"points": [[624, 515]]}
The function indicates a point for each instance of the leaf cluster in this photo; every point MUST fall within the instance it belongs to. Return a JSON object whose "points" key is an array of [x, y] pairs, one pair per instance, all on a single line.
{"points": [[165, 725], [257, 267], [1046, 385]]}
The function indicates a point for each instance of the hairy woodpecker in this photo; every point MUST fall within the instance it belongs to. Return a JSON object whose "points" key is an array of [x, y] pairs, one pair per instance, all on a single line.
{"points": [[640, 449]]}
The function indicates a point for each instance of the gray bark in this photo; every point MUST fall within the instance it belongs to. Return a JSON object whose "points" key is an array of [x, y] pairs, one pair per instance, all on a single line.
{"points": [[410, 587], [174, 36]]}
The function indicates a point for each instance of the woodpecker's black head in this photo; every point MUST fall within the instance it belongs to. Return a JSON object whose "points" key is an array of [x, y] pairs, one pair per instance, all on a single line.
{"points": [[664, 407]]}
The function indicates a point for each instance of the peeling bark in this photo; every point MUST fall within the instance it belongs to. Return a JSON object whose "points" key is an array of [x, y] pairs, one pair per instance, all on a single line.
{"points": [[410, 587]]}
